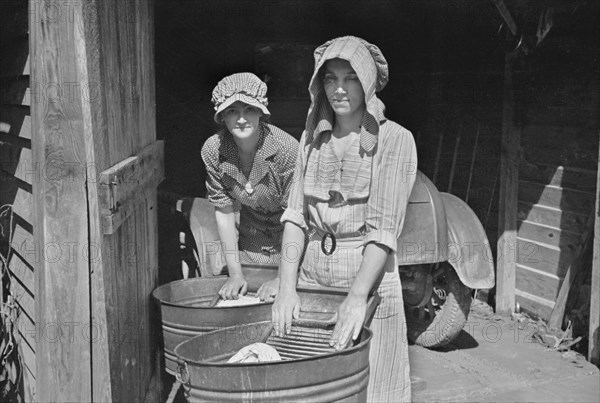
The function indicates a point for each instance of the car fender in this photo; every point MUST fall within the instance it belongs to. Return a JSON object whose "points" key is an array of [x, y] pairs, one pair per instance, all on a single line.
{"points": [[469, 250], [424, 236]]}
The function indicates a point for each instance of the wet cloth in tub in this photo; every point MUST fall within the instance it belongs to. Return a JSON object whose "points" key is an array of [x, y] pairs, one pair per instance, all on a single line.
{"points": [[242, 300], [256, 352]]}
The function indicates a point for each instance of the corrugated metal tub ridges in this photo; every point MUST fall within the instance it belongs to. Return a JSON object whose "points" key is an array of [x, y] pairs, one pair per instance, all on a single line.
{"points": [[309, 371], [186, 312]]}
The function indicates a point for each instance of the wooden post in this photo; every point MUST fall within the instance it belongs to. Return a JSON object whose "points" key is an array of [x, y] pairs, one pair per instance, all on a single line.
{"points": [[594, 341], [509, 183], [62, 313], [97, 327]]}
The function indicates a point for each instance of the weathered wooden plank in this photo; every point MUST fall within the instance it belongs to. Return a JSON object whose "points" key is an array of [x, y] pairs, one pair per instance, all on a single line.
{"points": [[583, 246], [151, 353], [537, 283], [143, 328], [23, 243], [549, 236], [103, 302], [535, 306], [132, 71], [27, 68], [28, 358], [151, 277], [24, 298], [594, 329], [61, 216], [23, 204], [128, 312], [16, 121], [508, 197], [28, 171], [132, 246], [551, 217], [118, 86], [147, 273], [22, 272], [120, 59], [105, 305], [28, 332], [29, 393], [111, 222], [29, 372], [555, 197], [124, 186], [543, 258], [565, 177], [17, 194]]}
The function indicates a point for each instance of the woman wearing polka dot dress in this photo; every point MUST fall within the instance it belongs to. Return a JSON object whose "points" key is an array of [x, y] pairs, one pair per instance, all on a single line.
{"points": [[249, 165]]}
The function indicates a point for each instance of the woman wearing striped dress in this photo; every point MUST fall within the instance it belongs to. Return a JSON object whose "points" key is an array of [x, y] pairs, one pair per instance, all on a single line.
{"points": [[249, 166], [354, 174]]}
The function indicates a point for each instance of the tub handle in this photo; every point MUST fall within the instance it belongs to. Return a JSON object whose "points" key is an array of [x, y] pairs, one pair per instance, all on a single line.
{"points": [[183, 374]]}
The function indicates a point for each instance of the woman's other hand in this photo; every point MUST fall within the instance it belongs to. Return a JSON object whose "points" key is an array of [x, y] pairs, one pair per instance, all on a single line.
{"points": [[268, 290], [285, 308], [235, 286], [351, 317]]}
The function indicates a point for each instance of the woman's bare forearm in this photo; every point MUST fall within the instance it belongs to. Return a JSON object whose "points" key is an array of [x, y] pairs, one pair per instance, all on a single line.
{"points": [[371, 269], [292, 246], [229, 242]]}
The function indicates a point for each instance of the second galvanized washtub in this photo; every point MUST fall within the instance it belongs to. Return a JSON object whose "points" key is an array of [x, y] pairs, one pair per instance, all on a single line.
{"points": [[186, 310], [309, 371]]}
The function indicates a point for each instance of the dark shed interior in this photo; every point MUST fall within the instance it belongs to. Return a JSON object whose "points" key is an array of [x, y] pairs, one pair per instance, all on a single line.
{"points": [[447, 72], [439, 53]]}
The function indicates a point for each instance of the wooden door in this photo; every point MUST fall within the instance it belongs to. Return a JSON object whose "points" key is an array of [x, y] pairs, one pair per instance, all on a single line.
{"points": [[94, 141]]}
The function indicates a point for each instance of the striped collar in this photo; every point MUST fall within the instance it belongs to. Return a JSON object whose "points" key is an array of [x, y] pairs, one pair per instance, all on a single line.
{"points": [[324, 118]]}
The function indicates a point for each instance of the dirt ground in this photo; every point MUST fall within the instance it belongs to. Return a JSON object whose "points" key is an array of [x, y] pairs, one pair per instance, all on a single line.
{"points": [[498, 359]]}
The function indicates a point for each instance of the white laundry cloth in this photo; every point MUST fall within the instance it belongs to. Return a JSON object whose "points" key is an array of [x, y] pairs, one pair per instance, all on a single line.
{"points": [[242, 300], [257, 352]]}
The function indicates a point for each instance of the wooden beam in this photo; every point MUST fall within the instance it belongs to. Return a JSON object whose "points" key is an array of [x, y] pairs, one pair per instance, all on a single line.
{"points": [[508, 197], [118, 54], [127, 183], [62, 303], [594, 334], [96, 287], [88, 57]]}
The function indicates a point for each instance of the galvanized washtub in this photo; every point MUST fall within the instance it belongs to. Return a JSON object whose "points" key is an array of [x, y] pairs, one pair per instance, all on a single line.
{"points": [[309, 371], [187, 311]]}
